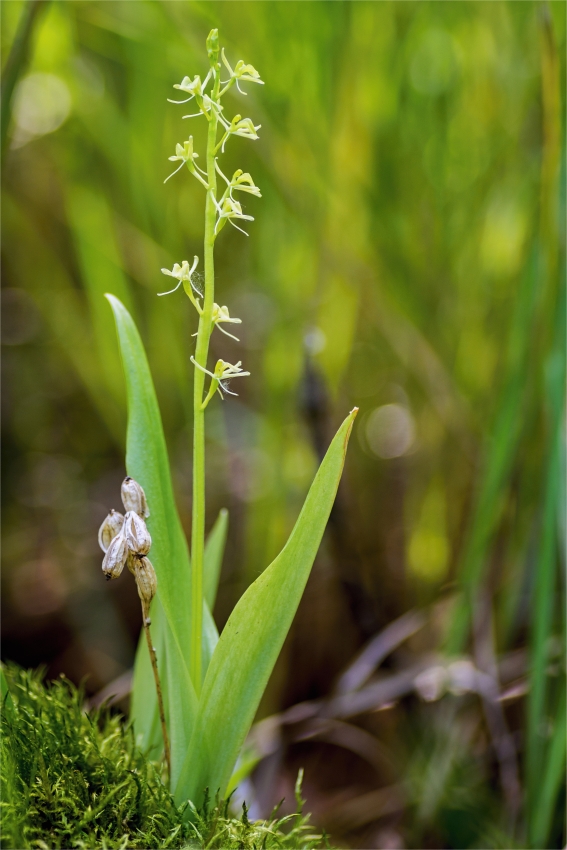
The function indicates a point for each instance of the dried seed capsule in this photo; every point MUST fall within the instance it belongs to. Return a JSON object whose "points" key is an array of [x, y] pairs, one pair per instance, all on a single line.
{"points": [[134, 498], [131, 562], [137, 534], [146, 581], [115, 557], [111, 526]]}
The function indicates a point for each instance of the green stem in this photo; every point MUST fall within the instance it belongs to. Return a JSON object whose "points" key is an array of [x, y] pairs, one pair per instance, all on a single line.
{"points": [[201, 352]]}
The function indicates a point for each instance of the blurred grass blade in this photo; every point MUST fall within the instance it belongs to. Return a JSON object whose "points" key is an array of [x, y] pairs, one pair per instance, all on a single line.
{"points": [[92, 225], [545, 591], [214, 551], [253, 637], [63, 310], [16, 62], [147, 462], [500, 450], [551, 779]]}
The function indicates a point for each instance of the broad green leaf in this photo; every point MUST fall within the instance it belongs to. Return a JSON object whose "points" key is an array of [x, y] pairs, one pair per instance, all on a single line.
{"points": [[252, 639], [214, 550], [147, 462]]}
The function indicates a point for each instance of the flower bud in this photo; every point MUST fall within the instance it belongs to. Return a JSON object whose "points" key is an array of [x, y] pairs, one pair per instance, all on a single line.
{"points": [[213, 46], [137, 534], [111, 526], [115, 557], [134, 498], [146, 581]]}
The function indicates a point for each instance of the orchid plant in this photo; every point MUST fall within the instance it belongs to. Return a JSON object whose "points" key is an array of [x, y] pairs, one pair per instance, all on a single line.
{"points": [[211, 685]]}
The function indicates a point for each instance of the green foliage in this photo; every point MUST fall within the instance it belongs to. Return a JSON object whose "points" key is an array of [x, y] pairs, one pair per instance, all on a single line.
{"points": [[213, 827], [253, 636], [206, 736], [147, 462], [77, 780], [214, 550], [418, 210]]}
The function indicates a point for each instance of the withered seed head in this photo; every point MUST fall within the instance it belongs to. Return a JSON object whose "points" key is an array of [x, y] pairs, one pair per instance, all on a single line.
{"points": [[137, 534], [131, 561], [134, 498], [115, 557], [111, 526], [146, 581]]}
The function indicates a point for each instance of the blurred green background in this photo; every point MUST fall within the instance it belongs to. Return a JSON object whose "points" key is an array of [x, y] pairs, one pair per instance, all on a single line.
{"points": [[407, 257]]}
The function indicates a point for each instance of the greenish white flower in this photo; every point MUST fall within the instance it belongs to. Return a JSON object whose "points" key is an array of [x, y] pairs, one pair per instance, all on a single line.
{"points": [[239, 126], [182, 273], [241, 182], [242, 72], [186, 154], [228, 211], [194, 88], [221, 314], [224, 372]]}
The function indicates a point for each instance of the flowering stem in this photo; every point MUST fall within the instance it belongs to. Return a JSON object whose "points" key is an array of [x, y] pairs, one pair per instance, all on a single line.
{"points": [[202, 348]]}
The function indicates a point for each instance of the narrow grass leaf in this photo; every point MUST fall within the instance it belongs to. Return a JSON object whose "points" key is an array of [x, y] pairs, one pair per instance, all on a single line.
{"points": [[551, 778], [501, 448]]}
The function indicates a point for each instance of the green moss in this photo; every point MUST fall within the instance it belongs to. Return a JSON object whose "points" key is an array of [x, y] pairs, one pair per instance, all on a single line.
{"points": [[72, 779]]}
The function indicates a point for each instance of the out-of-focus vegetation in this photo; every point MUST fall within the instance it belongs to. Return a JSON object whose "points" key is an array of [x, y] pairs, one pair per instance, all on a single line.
{"points": [[409, 259]]}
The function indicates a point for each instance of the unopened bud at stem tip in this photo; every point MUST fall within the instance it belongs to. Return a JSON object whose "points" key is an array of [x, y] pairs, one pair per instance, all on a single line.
{"points": [[213, 46]]}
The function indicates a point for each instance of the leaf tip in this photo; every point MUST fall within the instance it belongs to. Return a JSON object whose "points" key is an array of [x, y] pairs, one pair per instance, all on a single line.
{"points": [[349, 423]]}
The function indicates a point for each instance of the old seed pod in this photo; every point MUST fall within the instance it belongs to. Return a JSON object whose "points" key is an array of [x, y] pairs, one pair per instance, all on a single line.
{"points": [[115, 557], [134, 498], [111, 526], [146, 580], [137, 534], [131, 562]]}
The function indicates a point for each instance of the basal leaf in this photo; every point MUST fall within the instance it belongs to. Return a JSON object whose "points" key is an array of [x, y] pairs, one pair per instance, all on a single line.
{"points": [[147, 462], [252, 639], [214, 550]]}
